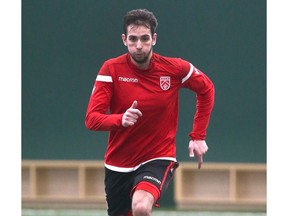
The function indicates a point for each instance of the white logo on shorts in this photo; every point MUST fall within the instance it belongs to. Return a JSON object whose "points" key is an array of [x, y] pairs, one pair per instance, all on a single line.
{"points": [[153, 179]]}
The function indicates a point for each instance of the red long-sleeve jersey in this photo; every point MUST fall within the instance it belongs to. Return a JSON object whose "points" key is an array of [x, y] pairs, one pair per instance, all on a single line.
{"points": [[119, 82]]}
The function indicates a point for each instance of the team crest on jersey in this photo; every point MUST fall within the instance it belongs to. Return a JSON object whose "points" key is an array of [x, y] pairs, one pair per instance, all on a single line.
{"points": [[165, 82]]}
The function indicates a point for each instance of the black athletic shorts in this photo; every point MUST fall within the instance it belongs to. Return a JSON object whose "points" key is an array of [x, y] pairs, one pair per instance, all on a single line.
{"points": [[153, 177]]}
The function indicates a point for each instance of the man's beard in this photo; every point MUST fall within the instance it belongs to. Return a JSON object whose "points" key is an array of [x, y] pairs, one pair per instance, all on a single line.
{"points": [[143, 59]]}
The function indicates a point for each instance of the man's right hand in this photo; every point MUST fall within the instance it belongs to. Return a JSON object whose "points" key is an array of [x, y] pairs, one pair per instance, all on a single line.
{"points": [[131, 115]]}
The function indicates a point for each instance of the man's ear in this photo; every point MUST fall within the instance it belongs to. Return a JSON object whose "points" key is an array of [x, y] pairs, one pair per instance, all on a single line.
{"points": [[124, 39], [154, 39]]}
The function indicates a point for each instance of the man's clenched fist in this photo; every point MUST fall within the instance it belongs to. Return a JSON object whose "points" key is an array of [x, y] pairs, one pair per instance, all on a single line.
{"points": [[131, 115]]}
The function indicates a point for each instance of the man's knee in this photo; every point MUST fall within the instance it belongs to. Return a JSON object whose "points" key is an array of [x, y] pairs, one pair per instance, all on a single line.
{"points": [[142, 203], [140, 209]]}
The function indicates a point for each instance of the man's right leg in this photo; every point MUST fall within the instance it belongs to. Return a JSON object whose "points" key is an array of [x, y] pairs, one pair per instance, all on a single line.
{"points": [[118, 187]]}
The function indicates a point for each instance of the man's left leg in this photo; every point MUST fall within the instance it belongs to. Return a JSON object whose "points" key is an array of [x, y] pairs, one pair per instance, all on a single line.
{"points": [[142, 203], [151, 180]]}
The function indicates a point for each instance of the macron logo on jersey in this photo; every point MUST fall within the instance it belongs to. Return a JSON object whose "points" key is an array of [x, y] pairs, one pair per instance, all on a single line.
{"points": [[126, 79]]}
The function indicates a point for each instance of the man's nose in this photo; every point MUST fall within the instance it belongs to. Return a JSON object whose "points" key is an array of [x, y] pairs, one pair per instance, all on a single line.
{"points": [[139, 44]]}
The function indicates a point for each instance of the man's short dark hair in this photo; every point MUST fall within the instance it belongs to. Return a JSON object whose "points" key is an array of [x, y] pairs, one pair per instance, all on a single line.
{"points": [[140, 17]]}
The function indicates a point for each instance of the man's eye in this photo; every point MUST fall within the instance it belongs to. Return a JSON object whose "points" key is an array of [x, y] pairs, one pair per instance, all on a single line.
{"points": [[133, 39], [145, 39]]}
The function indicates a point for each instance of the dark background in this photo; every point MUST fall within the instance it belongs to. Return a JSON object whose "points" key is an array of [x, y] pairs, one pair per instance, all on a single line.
{"points": [[65, 42]]}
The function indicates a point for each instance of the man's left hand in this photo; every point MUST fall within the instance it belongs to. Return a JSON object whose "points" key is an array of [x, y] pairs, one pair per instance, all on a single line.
{"points": [[198, 148]]}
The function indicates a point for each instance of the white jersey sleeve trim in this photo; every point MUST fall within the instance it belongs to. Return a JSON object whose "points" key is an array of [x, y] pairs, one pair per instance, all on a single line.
{"points": [[103, 78], [189, 73], [131, 169]]}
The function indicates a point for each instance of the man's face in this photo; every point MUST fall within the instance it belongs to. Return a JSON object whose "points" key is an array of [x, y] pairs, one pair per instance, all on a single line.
{"points": [[139, 43]]}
